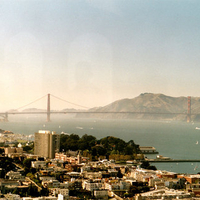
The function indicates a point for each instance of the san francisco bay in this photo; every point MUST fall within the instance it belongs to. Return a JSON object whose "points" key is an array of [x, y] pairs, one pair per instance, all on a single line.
{"points": [[177, 140]]}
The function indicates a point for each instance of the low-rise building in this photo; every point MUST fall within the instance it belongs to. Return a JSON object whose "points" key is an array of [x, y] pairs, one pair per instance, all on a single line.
{"points": [[10, 150], [166, 174], [194, 188], [163, 194], [38, 164], [143, 175], [11, 175], [92, 175], [47, 178], [10, 196], [92, 185], [62, 197], [51, 184], [117, 185], [113, 172], [100, 194], [7, 186], [56, 191], [40, 198], [192, 178]]}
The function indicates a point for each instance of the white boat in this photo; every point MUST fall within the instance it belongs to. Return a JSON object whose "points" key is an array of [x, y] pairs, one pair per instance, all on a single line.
{"points": [[197, 128], [78, 127], [160, 157]]}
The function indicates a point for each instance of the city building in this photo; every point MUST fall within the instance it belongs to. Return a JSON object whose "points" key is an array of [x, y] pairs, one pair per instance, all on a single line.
{"points": [[92, 185], [38, 164], [101, 194], [46, 143], [13, 151], [11, 175], [164, 194]]}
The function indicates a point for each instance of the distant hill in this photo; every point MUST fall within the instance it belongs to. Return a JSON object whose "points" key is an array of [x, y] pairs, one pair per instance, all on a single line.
{"points": [[34, 110], [148, 103]]}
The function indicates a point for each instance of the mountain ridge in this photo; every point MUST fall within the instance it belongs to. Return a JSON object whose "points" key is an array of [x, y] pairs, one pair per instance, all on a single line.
{"points": [[167, 106]]}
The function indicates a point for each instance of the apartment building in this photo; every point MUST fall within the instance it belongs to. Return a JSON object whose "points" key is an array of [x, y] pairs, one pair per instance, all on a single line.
{"points": [[46, 143]]}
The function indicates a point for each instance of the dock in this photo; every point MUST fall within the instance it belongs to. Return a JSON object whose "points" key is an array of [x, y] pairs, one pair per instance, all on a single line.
{"points": [[172, 160], [148, 150]]}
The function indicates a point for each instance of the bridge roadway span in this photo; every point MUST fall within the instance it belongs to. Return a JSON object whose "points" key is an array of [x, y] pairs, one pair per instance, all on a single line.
{"points": [[49, 112], [87, 112], [173, 160]]}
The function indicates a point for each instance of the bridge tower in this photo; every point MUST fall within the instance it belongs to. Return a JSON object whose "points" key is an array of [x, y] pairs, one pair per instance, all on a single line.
{"points": [[48, 108], [6, 117], [189, 109]]}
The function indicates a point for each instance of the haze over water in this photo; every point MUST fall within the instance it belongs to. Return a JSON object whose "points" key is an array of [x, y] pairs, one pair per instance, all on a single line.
{"points": [[177, 140]]}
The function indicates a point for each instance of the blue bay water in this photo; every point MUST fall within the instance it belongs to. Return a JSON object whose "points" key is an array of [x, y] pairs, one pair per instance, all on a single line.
{"points": [[177, 140]]}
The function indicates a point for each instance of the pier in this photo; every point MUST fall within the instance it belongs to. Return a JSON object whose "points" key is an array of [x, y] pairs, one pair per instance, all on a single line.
{"points": [[148, 150], [172, 160]]}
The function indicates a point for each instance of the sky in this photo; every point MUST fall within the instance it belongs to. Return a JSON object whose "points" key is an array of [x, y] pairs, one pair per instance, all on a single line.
{"points": [[94, 52]]}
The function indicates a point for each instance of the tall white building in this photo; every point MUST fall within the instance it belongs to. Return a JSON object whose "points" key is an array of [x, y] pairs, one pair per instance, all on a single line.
{"points": [[47, 143]]}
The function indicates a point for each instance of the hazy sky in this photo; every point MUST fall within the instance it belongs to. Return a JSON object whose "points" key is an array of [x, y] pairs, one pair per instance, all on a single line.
{"points": [[93, 52]]}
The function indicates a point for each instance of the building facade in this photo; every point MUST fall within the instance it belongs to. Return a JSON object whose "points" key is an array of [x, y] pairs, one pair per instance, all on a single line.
{"points": [[46, 143]]}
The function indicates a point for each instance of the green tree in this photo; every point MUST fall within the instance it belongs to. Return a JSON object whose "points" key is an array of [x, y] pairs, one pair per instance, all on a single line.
{"points": [[30, 175], [87, 142], [27, 165], [69, 142], [27, 162], [119, 174], [44, 192], [146, 165], [27, 148], [33, 191]]}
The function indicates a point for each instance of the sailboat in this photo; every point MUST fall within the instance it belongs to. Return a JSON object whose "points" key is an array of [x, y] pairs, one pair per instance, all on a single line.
{"points": [[197, 142]]}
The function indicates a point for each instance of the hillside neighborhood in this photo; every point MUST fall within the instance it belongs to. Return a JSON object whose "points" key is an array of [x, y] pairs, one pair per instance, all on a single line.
{"points": [[70, 175]]}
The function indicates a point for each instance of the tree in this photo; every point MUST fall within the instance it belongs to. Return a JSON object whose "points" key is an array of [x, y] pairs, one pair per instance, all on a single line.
{"points": [[44, 192], [2, 173], [1, 150], [69, 142], [30, 175], [128, 150], [119, 174], [27, 164], [27, 148], [146, 165], [87, 142], [103, 147], [32, 191]]}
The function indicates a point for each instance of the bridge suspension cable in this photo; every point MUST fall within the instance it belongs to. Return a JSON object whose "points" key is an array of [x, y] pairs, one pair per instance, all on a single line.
{"points": [[70, 102], [31, 102]]}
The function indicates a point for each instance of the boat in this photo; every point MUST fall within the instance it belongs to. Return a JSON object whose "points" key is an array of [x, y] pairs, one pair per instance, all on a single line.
{"points": [[197, 128], [160, 157], [196, 167], [78, 127]]}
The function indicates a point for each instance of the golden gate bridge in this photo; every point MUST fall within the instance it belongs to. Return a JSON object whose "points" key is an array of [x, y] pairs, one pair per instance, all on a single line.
{"points": [[48, 111]]}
